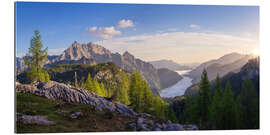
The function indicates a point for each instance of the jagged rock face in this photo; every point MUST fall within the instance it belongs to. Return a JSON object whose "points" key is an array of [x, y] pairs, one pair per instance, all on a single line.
{"points": [[55, 90], [89, 51], [20, 65]]}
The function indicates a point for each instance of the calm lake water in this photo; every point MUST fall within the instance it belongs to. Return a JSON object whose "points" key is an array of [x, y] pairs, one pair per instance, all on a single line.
{"points": [[179, 88]]}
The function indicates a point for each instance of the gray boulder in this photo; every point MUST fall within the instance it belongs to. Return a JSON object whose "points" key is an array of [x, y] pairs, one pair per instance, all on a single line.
{"points": [[75, 115], [174, 127], [34, 119]]}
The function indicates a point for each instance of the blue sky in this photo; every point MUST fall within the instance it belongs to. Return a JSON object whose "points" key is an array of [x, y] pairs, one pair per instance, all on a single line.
{"points": [[150, 32]]}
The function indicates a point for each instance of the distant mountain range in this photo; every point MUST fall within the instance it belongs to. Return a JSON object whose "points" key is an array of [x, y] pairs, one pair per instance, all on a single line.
{"points": [[169, 64], [91, 53], [232, 62], [250, 69]]}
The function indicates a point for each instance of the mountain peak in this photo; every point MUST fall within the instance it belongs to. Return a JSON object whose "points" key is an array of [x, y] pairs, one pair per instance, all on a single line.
{"points": [[77, 51], [128, 55]]}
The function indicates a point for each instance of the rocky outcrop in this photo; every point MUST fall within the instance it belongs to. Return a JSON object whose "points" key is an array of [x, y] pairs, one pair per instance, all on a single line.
{"points": [[60, 91]]}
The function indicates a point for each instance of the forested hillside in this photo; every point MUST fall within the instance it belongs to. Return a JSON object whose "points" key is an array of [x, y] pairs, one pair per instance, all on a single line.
{"points": [[235, 95]]}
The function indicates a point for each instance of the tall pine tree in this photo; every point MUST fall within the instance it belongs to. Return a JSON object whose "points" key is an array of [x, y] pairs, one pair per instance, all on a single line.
{"points": [[250, 101], [89, 83], [216, 107], [204, 102], [229, 108], [35, 59], [122, 92]]}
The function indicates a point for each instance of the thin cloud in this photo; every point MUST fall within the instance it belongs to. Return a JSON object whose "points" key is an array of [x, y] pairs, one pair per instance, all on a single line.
{"points": [[104, 32], [194, 26], [125, 24], [172, 29], [196, 46]]}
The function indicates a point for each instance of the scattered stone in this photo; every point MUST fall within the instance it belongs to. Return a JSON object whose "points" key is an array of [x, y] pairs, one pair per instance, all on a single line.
{"points": [[164, 126], [190, 127], [151, 122], [157, 129], [34, 119], [133, 126], [140, 121], [144, 115], [158, 125], [174, 127], [142, 127], [75, 115]]}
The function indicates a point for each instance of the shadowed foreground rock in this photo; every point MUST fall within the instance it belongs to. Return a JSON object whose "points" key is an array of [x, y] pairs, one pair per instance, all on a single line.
{"points": [[35, 119]]}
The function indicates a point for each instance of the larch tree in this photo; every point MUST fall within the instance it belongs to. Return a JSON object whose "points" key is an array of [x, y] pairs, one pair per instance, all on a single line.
{"points": [[97, 88], [89, 83], [122, 93], [35, 60]]}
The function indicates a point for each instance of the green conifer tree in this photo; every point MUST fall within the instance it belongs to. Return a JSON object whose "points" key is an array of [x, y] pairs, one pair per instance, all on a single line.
{"points": [[204, 102], [35, 60], [229, 108], [216, 107], [97, 88], [89, 83], [123, 91], [239, 112], [250, 101], [102, 87]]}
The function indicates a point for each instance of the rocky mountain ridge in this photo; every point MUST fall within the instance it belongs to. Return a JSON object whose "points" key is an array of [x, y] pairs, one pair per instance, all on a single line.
{"points": [[250, 69], [228, 63], [169, 64], [91, 53]]}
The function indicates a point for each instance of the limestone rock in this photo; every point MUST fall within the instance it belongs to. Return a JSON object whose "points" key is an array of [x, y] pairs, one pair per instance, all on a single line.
{"points": [[75, 115], [35, 119]]}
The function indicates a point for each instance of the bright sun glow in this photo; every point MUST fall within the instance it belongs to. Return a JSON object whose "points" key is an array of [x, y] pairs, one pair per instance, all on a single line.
{"points": [[256, 52]]}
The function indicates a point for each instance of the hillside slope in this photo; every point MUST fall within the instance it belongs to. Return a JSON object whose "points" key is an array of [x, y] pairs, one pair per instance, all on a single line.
{"points": [[250, 69], [228, 63], [169, 64], [56, 107]]}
